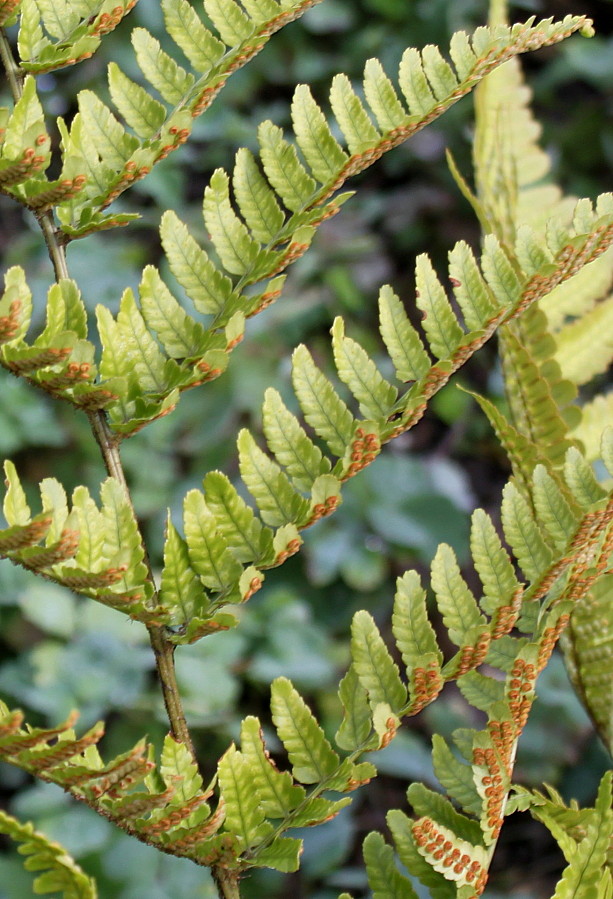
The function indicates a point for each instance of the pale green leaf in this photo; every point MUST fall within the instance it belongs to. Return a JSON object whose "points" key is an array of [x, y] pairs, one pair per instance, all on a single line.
{"points": [[255, 199], [311, 756], [382, 97], [231, 22], [322, 152], [140, 110], [234, 519], [180, 588], [413, 83], [455, 601], [412, 630], [283, 169], [357, 716], [180, 335], [168, 78], [244, 813], [15, 507], [384, 878], [208, 289], [470, 290], [235, 246], [277, 792], [293, 449], [492, 562], [403, 343], [139, 350], [439, 73], [552, 510], [375, 395], [179, 770], [278, 502], [184, 26], [373, 664], [209, 554], [439, 321], [323, 409], [354, 122]]}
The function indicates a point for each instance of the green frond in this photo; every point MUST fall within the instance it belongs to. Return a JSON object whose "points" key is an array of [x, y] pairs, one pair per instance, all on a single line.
{"points": [[97, 552], [60, 872]]}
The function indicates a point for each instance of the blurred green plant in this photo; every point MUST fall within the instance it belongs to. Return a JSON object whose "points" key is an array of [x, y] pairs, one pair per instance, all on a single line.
{"points": [[72, 653]]}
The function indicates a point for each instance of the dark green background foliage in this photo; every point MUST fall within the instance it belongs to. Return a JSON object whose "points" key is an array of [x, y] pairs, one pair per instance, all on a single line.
{"points": [[81, 654]]}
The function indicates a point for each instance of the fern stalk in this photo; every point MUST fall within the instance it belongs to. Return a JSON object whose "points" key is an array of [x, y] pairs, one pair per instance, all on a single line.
{"points": [[163, 650]]}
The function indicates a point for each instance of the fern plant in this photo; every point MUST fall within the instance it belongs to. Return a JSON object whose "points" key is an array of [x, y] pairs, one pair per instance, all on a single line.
{"points": [[540, 282]]}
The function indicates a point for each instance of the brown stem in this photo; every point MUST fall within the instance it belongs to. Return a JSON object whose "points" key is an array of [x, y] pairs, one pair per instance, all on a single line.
{"points": [[226, 882], [162, 648], [13, 72]]}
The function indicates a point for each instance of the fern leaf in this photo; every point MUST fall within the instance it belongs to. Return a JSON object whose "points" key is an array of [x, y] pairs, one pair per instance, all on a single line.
{"points": [[179, 585], [180, 335], [373, 664], [15, 507], [244, 813], [374, 394], [323, 409], [283, 854], [112, 142], [400, 827], [276, 791], [471, 292], [179, 770], [440, 324], [15, 306], [170, 80], [209, 555], [199, 45], [581, 350], [230, 21], [427, 803], [207, 288], [283, 169], [384, 877], [255, 199], [455, 776], [31, 39], [298, 455], [382, 98], [142, 113], [236, 248], [278, 502], [403, 343], [311, 756], [140, 352], [322, 152], [121, 534], [552, 509], [493, 565], [587, 866], [413, 632], [356, 725], [456, 602], [235, 520], [355, 123], [60, 871]]}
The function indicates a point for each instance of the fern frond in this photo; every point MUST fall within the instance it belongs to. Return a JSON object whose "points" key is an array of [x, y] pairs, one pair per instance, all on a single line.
{"points": [[60, 871], [94, 551]]}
